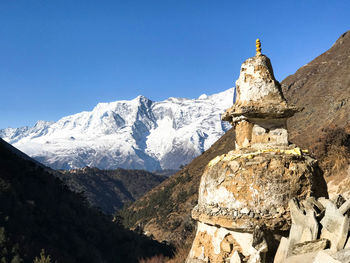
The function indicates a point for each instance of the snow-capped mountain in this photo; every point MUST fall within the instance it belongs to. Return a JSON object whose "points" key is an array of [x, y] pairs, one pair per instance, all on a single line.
{"points": [[135, 134]]}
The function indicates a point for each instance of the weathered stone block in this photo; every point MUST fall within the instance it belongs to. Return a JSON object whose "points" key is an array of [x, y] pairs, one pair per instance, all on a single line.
{"points": [[310, 246], [343, 255], [304, 225], [282, 250], [335, 225]]}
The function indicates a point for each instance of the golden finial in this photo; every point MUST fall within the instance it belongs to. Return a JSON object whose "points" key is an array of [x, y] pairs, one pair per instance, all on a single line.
{"points": [[258, 47]]}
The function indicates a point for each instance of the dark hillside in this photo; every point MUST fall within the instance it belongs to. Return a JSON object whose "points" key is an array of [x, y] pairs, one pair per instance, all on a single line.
{"points": [[109, 190], [37, 211]]}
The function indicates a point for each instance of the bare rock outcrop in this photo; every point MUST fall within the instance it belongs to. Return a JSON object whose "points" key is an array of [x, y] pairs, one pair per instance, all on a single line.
{"points": [[243, 198]]}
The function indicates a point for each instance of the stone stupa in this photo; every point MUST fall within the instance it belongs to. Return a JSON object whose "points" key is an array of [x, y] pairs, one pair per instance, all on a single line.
{"points": [[242, 209]]}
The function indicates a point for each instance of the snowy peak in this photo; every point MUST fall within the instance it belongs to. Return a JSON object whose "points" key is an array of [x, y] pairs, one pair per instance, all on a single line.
{"points": [[134, 134], [13, 135]]}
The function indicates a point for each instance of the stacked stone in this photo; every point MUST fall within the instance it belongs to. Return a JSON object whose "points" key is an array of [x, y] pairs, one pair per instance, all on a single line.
{"points": [[319, 232], [243, 196]]}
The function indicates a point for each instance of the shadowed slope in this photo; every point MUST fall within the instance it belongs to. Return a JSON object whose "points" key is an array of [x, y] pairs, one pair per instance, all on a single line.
{"points": [[37, 211], [109, 190]]}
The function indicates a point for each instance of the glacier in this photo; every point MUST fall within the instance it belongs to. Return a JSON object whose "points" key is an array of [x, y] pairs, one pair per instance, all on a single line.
{"points": [[130, 134]]}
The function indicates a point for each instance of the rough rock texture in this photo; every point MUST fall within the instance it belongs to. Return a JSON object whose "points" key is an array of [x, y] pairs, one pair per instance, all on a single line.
{"points": [[260, 111], [256, 84], [241, 190], [246, 191], [317, 225], [335, 224], [213, 244], [310, 246], [259, 94]]}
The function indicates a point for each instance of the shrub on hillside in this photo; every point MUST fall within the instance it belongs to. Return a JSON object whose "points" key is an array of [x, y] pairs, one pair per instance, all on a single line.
{"points": [[333, 150]]}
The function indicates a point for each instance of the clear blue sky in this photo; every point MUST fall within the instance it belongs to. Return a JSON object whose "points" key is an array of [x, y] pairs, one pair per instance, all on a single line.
{"points": [[62, 57]]}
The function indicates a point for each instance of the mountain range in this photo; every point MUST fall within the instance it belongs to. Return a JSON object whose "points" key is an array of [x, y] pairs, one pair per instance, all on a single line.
{"points": [[134, 134]]}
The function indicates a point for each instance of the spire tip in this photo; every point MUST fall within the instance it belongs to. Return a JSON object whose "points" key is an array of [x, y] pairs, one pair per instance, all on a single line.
{"points": [[258, 47]]}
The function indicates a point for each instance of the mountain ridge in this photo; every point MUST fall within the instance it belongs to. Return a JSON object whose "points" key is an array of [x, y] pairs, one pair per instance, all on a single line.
{"points": [[134, 134], [322, 87]]}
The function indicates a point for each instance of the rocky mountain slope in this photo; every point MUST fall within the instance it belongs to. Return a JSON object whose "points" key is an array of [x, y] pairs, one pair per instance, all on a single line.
{"points": [[327, 76], [135, 134], [322, 87], [38, 212], [109, 190]]}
